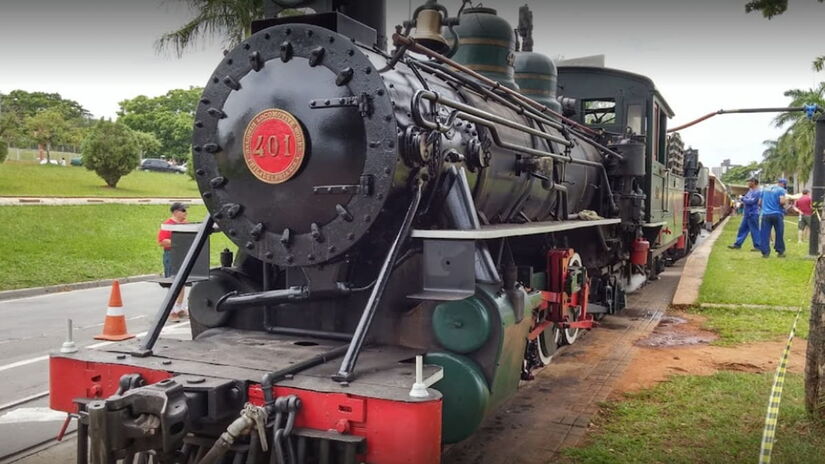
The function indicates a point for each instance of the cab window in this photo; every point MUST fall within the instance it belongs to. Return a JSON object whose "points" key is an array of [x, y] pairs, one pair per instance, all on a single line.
{"points": [[635, 119], [600, 111]]}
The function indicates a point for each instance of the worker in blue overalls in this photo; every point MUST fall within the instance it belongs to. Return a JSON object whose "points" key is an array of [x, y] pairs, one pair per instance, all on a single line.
{"points": [[750, 217], [773, 216]]}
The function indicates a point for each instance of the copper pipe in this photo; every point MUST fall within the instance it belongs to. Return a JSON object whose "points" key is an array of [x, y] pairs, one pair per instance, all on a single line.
{"points": [[745, 110]]}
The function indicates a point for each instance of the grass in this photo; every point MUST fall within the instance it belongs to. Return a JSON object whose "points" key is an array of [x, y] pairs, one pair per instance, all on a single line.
{"points": [[20, 179], [46, 245], [744, 277], [748, 325], [697, 419]]}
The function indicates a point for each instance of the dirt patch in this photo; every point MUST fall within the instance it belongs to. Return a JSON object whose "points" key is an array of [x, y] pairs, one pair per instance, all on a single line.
{"points": [[676, 331], [662, 354]]}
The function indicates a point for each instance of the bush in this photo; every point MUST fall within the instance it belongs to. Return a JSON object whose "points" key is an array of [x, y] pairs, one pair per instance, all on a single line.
{"points": [[4, 151], [190, 167], [111, 150]]}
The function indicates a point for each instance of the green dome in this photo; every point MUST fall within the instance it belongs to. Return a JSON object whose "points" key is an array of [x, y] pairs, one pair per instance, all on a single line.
{"points": [[486, 45], [536, 77]]}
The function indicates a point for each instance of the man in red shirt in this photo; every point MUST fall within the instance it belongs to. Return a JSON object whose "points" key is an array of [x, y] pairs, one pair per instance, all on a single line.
{"points": [[165, 241], [803, 206]]}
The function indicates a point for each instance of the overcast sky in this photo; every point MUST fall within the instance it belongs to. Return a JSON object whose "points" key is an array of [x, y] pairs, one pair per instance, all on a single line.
{"points": [[702, 54]]}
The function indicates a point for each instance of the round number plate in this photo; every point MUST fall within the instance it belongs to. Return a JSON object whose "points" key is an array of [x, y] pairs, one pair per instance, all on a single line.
{"points": [[273, 146]]}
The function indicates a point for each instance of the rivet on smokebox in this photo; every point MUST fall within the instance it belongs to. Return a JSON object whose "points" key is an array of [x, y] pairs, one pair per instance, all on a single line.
{"points": [[344, 76], [216, 113], [256, 231], [231, 83], [286, 51], [316, 55]]}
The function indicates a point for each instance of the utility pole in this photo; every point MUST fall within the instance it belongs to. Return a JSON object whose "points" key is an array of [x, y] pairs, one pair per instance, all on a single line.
{"points": [[815, 352], [818, 181]]}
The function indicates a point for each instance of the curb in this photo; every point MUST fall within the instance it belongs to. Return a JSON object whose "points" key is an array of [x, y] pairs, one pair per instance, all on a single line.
{"points": [[687, 292], [37, 291]]}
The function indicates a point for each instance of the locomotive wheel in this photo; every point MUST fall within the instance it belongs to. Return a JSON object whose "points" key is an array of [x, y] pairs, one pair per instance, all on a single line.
{"points": [[569, 335], [548, 342]]}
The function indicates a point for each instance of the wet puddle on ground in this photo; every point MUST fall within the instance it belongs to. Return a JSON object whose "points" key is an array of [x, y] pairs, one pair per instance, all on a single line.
{"points": [[672, 332]]}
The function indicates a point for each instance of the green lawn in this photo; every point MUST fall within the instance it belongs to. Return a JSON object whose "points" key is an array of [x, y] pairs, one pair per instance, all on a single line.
{"points": [[19, 179], [46, 245], [698, 419], [742, 276], [746, 325]]}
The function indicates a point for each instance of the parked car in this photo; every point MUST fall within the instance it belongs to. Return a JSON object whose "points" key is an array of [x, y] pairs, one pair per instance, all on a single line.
{"points": [[159, 165], [77, 161]]}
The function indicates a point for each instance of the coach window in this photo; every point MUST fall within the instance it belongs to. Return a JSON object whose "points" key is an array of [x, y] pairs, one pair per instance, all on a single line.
{"points": [[599, 112]]}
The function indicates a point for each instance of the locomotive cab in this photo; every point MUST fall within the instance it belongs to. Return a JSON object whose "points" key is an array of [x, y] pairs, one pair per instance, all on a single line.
{"points": [[622, 103]]}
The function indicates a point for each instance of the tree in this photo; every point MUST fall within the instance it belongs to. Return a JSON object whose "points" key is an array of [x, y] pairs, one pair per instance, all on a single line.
{"points": [[19, 106], [228, 20], [794, 150], [147, 143], [46, 128], [111, 150], [771, 8], [740, 174], [169, 118]]}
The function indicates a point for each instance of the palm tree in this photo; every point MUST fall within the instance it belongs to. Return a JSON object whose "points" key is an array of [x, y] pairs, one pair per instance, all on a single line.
{"points": [[770, 159], [794, 150], [230, 20]]}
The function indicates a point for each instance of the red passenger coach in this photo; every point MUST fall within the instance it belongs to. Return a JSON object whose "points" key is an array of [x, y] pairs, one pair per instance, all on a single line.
{"points": [[718, 202]]}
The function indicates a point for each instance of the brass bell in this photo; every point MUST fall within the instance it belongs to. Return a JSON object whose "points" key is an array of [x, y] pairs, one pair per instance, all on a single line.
{"points": [[428, 24]]}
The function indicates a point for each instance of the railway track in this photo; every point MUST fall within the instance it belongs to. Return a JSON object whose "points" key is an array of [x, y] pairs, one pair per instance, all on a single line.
{"points": [[42, 442]]}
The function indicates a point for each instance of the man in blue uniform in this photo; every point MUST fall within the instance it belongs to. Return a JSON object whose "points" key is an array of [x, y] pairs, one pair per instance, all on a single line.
{"points": [[750, 217], [773, 216]]}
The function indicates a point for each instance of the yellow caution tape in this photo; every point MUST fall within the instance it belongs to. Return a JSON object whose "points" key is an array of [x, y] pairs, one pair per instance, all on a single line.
{"points": [[772, 416]]}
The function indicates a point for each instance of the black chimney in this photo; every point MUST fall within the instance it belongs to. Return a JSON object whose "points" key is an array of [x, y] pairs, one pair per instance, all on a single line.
{"points": [[371, 13]]}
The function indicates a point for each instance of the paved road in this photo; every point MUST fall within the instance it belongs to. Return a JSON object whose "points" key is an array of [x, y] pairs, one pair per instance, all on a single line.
{"points": [[34, 326]]}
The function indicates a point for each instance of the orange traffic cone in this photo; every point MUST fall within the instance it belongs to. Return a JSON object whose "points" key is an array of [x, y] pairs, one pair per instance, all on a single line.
{"points": [[114, 326]]}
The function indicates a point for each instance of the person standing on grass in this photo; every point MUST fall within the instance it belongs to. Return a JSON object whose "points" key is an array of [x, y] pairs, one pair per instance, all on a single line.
{"points": [[165, 241], [804, 208], [750, 217], [773, 217]]}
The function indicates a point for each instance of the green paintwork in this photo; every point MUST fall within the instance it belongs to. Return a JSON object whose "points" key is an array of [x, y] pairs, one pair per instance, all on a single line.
{"points": [[538, 280], [468, 394], [536, 77], [667, 202], [462, 326], [510, 359], [465, 393], [487, 45]]}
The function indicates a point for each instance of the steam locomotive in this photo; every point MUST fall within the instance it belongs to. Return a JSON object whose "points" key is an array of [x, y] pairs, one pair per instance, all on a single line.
{"points": [[418, 229]]}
